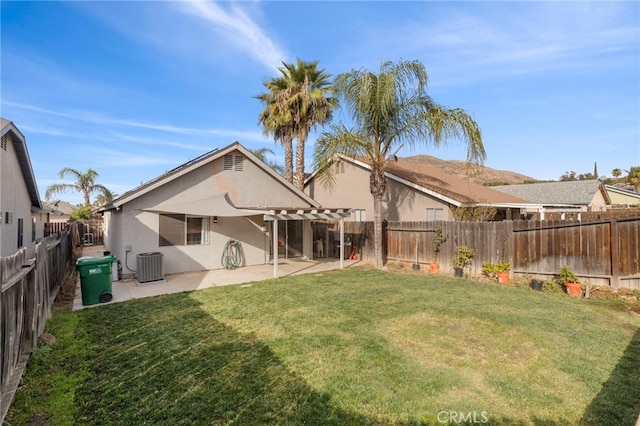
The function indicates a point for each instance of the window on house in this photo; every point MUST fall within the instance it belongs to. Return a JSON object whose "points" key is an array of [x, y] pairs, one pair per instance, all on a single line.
{"points": [[359, 215], [435, 214], [8, 217], [20, 232], [180, 230], [33, 229]]}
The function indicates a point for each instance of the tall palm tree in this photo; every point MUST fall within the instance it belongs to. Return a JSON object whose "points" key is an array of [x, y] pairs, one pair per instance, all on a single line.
{"points": [[297, 101], [85, 183], [309, 98], [390, 108], [277, 122]]}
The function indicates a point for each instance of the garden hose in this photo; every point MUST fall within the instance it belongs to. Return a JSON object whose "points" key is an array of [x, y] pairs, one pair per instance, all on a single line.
{"points": [[232, 255]]}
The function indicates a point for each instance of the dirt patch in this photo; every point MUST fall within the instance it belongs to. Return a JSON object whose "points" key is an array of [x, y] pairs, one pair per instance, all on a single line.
{"points": [[67, 293]]}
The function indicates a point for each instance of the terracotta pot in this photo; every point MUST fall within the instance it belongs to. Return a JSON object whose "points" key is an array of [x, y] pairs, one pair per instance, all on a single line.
{"points": [[503, 277], [433, 267], [574, 289]]}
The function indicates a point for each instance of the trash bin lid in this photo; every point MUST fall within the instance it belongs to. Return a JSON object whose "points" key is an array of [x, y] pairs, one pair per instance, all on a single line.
{"points": [[91, 260]]}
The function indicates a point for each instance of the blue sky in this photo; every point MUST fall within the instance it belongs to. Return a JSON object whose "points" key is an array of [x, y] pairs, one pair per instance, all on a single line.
{"points": [[134, 88]]}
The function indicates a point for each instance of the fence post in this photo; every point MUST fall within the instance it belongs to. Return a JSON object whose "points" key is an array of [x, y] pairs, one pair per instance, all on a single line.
{"points": [[615, 256]]}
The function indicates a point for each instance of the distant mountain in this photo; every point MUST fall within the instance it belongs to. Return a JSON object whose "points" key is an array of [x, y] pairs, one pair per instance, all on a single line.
{"points": [[478, 174]]}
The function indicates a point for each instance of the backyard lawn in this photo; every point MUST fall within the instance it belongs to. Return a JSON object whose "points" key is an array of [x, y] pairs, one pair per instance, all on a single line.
{"points": [[345, 347]]}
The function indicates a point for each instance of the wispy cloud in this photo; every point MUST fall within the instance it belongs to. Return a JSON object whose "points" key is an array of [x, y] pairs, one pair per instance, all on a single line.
{"points": [[238, 28], [88, 117], [489, 41]]}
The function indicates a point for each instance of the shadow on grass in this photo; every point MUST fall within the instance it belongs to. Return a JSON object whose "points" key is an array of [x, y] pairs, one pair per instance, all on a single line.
{"points": [[619, 399], [168, 362]]}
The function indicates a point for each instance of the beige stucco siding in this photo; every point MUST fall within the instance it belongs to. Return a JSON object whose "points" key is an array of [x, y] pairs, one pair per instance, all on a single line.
{"points": [[618, 198], [136, 225], [14, 198], [401, 201], [598, 203]]}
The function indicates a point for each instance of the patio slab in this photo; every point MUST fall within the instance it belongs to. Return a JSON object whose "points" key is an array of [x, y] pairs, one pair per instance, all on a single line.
{"points": [[124, 290]]}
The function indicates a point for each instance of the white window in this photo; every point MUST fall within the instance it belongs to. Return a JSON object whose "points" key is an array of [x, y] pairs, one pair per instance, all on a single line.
{"points": [[358, 215], [435, 214], [180, 230]]}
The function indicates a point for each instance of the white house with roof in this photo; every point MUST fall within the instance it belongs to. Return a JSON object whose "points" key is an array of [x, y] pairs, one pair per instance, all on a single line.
{"points": [[224, 206], [22, 217]]}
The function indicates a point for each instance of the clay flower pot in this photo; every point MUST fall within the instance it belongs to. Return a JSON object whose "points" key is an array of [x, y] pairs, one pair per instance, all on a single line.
{"points": [[574, 289]]}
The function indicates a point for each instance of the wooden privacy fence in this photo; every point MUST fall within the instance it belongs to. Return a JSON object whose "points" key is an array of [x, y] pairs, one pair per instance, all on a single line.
{"points": [[602, 252], [29, 287]]}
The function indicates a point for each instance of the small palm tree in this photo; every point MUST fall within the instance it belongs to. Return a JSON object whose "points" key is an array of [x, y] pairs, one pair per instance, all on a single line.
{"points": [[85, 183], [616, 173], [261, 153], [634, 177], [390, 108]]}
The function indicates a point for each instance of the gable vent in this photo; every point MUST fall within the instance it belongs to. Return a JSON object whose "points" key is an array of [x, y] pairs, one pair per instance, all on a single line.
{"points": [[238, 160], [228, 162], [4, 142], [233, 162]]}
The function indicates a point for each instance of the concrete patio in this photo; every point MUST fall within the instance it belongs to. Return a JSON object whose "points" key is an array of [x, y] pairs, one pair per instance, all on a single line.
{"points": [[128, 289]]}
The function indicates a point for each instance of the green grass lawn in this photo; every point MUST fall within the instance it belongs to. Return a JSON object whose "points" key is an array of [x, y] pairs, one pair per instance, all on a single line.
{"points": [[345, 347]]}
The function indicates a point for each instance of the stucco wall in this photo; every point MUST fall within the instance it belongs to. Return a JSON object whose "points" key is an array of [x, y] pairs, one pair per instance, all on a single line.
{"points": [[351, 189], [132, 226], [14, 198]]}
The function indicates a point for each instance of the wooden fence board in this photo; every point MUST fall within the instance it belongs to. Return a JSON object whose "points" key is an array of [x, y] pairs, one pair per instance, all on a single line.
{"points": [[532, 247], [28, 287]]}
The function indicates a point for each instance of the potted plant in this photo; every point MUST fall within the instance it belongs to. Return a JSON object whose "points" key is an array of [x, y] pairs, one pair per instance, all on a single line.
{"points": [[464, 257], [570, 281], [439, 238], [498, 270]]}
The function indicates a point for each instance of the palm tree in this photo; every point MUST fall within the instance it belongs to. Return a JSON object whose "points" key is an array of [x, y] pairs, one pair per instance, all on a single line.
{"points": [[616, 173], [104, 198], [389, 109], [85, 183], [634, 177], [277, 122], [261, 153], [309, 98], [297, 101]]}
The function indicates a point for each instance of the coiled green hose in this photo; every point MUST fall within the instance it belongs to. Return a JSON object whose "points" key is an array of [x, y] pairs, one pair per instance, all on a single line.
{"points": [[232, 255]]}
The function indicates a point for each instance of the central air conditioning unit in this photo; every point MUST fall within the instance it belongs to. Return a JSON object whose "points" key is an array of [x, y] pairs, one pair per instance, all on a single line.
{"points": [[150, 267]]}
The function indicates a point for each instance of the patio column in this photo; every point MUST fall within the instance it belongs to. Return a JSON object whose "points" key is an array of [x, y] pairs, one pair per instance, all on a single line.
{"points": [[341, 242], [275, 248]]}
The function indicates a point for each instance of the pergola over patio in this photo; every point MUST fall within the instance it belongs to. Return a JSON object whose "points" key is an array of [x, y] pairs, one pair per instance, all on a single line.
{"points": [[305, 214]]}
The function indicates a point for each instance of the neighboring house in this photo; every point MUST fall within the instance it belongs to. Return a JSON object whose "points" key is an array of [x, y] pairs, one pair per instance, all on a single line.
{"points": [[622, 197], [200, 214], [22, 218], [61, 211], [415, 192], [563, 197]]}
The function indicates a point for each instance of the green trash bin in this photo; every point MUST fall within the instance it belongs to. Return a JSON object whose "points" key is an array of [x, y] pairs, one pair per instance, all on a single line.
{"points": [[95, 279]]}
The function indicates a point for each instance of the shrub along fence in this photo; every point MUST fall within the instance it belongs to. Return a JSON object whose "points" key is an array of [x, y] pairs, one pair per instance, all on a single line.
{"points": [[601, 252], [29, 287]]}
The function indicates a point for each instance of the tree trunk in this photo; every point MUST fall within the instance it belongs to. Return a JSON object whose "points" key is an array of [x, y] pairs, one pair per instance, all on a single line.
{"points": [[288, 158], [378, 187], [302, 138]]}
